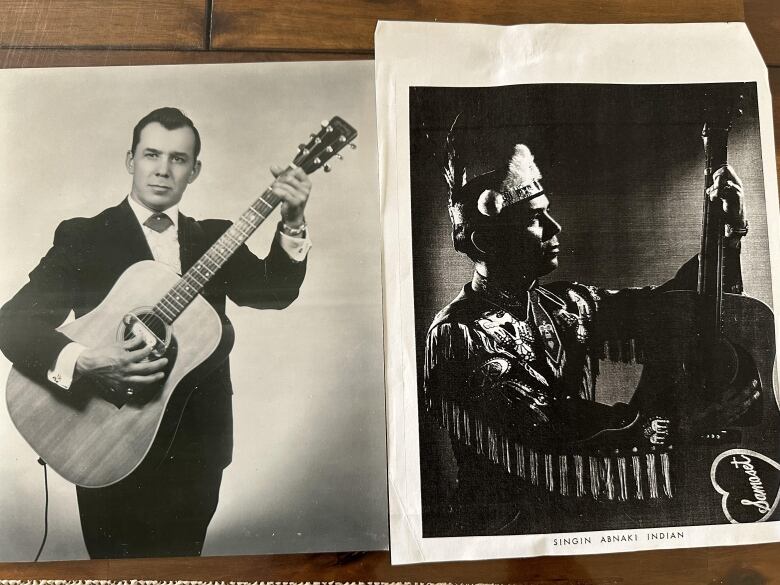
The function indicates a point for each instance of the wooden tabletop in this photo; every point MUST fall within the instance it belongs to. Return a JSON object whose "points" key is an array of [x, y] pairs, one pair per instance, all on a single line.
{"points": [[51, 33]]}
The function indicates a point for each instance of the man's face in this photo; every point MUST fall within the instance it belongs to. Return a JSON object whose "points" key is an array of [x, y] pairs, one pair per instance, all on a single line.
{"points": [[523, 242], [162, 166]]}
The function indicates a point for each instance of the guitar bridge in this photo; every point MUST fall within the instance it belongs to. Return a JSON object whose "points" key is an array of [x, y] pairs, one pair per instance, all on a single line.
{"points": [[113, 395]]}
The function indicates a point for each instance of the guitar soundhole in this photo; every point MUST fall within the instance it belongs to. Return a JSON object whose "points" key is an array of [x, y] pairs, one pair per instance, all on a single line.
{"points": [[144, 323], [723, 363], [153, 322]]}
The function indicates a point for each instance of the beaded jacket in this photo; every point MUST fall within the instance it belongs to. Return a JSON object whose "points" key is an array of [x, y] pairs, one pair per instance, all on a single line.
{"points": [[513, 380]]}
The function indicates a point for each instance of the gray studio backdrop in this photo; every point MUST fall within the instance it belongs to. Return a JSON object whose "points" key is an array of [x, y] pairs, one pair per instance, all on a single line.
{"points": [[308, 471]]}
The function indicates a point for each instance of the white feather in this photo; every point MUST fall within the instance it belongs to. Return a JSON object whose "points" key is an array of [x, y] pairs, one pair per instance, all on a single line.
{"points": [[522, 169]]}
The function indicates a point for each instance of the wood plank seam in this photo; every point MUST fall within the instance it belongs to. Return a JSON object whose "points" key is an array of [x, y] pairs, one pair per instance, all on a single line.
{"points": [[209, 21], [163, 48]]}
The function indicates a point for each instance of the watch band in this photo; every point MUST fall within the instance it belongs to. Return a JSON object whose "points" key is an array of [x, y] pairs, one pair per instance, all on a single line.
{"points": [[294, 232]]}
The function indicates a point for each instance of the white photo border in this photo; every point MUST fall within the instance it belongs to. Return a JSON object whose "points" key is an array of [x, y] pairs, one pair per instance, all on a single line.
{"points": [[461, 55]]}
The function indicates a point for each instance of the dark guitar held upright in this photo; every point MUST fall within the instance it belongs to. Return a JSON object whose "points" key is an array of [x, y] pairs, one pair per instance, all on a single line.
{"points": [[713, 346]]}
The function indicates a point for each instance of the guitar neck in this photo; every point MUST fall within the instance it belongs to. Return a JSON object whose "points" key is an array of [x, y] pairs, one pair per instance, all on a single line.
{"points": [[333, 136], [192, 282], [710, 284]]}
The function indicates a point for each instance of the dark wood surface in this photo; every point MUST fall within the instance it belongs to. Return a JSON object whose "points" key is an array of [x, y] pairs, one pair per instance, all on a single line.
{"points": [[763, 18], [266, 24], [53, 33], [748, 565], [162, 24]]}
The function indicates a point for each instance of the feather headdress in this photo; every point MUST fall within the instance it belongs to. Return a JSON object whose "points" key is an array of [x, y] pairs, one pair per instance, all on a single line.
{"points": [[520, 183], [486, 169], [454, 169]]}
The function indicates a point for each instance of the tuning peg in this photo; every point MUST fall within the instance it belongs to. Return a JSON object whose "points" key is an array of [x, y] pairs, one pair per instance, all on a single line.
{"points": [[329, 149], [324, 123], [317, 161], [326, 168], [317, 141], [301, 147], [312, 135], [342, 138], [338, 156], [352, 145]]}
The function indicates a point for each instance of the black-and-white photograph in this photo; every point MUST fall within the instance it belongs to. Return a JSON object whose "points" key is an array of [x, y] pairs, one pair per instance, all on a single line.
{"points": [[594, 330], [191, 316], [580, 231]]}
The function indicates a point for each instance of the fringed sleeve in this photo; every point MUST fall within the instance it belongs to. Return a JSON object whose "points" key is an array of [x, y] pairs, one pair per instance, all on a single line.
{"points": [[503, 411], [478, 394], [497, 404], [620, 322]]}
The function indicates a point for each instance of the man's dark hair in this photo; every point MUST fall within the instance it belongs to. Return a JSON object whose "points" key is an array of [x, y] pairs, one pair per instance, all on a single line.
{"points": [[170, 119]]}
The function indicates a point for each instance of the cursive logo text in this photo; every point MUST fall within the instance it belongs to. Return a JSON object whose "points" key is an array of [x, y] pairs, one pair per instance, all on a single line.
{"points": [[749, 485], [755, 484]]}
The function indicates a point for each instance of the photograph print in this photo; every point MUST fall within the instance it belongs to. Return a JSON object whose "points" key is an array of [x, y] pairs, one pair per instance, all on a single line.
{"points": [[594, 327], [191, 312]]}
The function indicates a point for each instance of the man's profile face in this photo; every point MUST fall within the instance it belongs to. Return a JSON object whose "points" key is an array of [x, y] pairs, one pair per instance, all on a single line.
{"points": [[162, 166], [524, 242]]}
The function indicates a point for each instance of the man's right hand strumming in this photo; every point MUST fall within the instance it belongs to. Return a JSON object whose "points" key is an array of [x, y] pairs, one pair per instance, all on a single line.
{"points": [[122, 365]]}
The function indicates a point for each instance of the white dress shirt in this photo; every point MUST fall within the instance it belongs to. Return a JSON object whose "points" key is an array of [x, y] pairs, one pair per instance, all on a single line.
{"points": [[165, 248], [164, 245]]}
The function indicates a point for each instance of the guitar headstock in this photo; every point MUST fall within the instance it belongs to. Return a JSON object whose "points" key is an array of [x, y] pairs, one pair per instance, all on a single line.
{"points": [[332, 137], [723, 104]]}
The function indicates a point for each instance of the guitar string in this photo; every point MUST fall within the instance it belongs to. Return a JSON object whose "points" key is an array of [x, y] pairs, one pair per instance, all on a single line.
{"points": [[250, 224], [245, 227]]}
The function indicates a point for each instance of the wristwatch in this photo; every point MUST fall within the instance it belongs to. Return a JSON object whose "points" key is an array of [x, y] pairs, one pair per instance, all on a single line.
{"points": [[731, 231], [293, 232]]}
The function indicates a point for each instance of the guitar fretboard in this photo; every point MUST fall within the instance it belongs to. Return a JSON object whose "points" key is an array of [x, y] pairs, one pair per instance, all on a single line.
{"points": [[323, 146], [191, 284]]}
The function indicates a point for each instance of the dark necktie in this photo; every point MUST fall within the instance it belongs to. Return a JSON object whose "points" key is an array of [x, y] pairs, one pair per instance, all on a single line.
{"points": [[158, 222]]}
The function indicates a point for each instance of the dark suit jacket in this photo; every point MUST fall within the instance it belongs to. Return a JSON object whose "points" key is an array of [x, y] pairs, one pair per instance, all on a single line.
{"points": [[86, 259]]}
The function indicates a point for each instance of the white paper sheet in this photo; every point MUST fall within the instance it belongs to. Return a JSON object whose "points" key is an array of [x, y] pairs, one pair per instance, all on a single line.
{"points": [[416, 58], [308, 463]]}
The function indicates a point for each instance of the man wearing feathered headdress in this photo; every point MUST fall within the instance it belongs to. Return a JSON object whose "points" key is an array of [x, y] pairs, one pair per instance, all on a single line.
{"points": [[511, 365]]}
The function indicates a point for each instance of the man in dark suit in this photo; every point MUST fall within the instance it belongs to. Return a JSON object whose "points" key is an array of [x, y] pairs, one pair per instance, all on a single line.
{"points": [[161, 508]]}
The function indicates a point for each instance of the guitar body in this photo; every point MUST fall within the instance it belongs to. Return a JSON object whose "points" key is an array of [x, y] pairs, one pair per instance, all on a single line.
{"points": [[93, 441], [709, 367], [704, 474]]}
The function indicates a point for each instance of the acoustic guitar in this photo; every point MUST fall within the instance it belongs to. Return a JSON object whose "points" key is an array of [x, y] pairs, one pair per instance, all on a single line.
{"points": [[730, 472], [712, 350], [95, 435]]}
